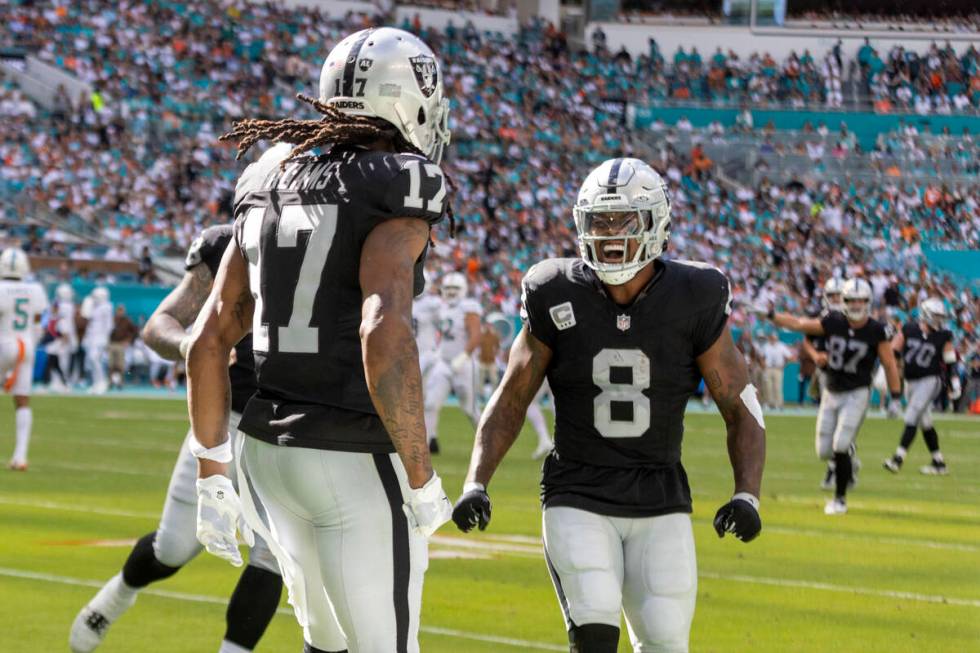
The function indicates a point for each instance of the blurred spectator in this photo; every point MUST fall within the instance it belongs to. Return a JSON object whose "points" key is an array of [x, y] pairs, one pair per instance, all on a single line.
{"points": [[124, 332]]}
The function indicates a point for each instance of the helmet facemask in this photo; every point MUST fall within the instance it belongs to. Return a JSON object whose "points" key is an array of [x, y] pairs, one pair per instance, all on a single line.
{"points": [[857, 308], [834, 302]]}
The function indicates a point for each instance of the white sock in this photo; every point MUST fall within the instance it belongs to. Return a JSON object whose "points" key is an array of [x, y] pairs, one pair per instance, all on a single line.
{"points": [[536, 417], [23, 418], [231, 647], [900, 452], [114, 598]]}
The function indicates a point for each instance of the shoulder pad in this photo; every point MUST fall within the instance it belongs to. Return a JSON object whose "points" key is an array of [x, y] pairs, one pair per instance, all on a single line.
{"points": [[256, 173], [541, 273], [209, 247]]}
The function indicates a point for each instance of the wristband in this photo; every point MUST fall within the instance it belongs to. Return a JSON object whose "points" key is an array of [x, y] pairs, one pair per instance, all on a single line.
{"points": [[219, 454], [748, 498], [470, 487]]}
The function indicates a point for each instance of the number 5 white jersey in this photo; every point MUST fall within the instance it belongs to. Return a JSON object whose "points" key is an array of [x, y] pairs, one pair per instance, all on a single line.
{"points": [[21, 302], [621, 379], [452, 326]]}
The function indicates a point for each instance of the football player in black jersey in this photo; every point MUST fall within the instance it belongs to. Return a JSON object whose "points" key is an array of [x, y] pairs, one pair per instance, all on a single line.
{"points": [[624, 339], [924, 345], [328, 253], [854, 341], [160, 554]]}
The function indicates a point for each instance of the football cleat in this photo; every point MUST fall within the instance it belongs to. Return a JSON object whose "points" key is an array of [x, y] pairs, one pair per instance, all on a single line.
{"points": [[433, 445], [835, 506], [828, 480], [542, 450], [893, 464], [934, 469], [92, 623], [17, 465]]}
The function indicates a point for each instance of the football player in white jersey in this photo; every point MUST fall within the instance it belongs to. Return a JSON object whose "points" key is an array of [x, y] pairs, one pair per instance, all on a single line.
{"points": [[426, 310], [21, 305], [61, 349], [97, 309], [454, 368]]}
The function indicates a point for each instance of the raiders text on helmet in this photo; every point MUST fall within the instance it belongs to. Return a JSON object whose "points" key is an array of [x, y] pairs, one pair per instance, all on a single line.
{"points": [[390, 74]]}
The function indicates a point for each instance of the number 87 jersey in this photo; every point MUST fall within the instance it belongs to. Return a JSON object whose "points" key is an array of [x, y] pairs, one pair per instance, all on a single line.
{"points": [[301, 229], [621, 378]]}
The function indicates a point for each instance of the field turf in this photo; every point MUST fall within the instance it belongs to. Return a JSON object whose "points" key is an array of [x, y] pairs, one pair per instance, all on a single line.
{"points": [[900, 572]]}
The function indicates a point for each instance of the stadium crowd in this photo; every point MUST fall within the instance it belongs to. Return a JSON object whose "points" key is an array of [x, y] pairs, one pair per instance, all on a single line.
{"points": [[138, 160]]}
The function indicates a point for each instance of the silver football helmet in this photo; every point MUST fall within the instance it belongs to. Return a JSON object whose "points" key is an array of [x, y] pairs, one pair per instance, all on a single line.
{"points": [[857, 299], [14, 263], [833, 295], [933, 312], [636, 191], [390, 74]]}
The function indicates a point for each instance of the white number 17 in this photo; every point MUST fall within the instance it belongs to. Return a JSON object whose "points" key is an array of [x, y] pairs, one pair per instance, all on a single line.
{"points": [[414, 199]]}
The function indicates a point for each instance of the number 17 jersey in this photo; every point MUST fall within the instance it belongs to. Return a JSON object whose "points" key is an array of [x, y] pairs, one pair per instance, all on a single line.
{"points": [[621, 378], [301, 229]]}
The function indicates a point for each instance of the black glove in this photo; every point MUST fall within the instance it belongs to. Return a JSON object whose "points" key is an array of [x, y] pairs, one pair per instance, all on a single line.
{"points": [[472, 509], [740, 518]]}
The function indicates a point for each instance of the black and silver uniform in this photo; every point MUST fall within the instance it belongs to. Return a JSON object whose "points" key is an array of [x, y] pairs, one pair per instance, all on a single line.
{"points": [[621, 378], [301, 230], [923, 352], [819, 343], [851, 352], [208, 248]]}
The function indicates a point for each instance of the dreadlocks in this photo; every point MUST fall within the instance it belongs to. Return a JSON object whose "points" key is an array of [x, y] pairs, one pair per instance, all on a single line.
{"points": [[334, 128]]}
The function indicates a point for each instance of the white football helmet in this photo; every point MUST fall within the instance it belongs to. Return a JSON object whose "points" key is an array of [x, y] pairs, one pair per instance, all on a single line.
{"points": [[832, 295], [453, 287], [933, 312], [390, 74], [856, 290], [64, 293], [14, 263], [100, 295], [627, 186]]}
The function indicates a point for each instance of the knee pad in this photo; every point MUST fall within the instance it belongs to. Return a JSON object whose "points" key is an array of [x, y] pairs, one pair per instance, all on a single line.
{"points": [[593, 638], [175, 549]]}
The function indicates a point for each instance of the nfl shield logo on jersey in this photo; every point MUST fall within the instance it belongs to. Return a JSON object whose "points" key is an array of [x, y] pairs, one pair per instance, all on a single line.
{"points": [[424, 68], [623, 322]]}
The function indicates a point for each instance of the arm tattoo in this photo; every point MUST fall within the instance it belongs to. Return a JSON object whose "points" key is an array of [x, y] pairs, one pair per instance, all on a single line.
{"points": [[241, 310], [168, 325]]}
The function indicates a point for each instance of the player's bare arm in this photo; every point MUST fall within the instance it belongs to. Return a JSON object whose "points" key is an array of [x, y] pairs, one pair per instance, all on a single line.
{"points": [[727, 378], [391, 358], [166, 330], [499, 426], [898, 341], [224, 320], [472, 332], [818, 357], [887, 356], [809, 325]]}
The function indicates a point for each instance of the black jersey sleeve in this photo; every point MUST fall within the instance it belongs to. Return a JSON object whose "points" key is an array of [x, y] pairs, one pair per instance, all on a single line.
{"points": [[710, 289], [538, 314], [832, 322], [882, 331], [417, 190], [208, 248]]}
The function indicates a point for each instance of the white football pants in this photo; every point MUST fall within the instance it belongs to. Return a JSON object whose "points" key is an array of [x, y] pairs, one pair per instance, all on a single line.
{"points": [[919, 395], [440, 380], [645, 567], [839, 419], [339, 516]]}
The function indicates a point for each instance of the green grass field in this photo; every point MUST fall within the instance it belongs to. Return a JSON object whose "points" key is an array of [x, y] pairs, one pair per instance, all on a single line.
{"points": [[900, 572]]}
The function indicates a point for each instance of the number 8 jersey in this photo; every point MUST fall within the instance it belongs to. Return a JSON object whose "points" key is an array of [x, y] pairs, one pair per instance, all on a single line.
{"points": [[301, 230], [621, 378]]}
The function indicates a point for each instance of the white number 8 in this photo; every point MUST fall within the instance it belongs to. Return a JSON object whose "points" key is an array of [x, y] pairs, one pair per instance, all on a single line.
{"points": [[632, 393]]}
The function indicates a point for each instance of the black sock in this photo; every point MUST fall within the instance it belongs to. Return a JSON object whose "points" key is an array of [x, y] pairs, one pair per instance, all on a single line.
{"points": [[309, 648], [907, 436], [843, 473], [931, 438], [252, 606], [593, 638], [142, 567]]}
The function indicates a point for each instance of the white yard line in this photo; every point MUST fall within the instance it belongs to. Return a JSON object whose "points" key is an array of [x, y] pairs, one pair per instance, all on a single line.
{"points": [[214, 600]]}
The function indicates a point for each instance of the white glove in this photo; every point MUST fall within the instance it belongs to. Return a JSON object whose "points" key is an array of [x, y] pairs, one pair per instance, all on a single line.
{"points": [[219, 516], [758, 308], [894, 408], [460, 362], [955, 389], [428, 507]]}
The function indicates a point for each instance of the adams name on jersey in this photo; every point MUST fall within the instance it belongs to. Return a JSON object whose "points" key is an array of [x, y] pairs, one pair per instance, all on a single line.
{"points": [[207, 249], [301, 230], [621, 378]]}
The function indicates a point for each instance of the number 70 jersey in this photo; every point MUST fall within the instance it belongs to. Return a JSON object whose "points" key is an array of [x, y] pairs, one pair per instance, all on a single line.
{"points": [[301, 229]]}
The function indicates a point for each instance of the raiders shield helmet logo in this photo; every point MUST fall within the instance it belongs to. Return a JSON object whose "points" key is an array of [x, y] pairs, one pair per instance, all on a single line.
{"points": [[424, 68]]}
